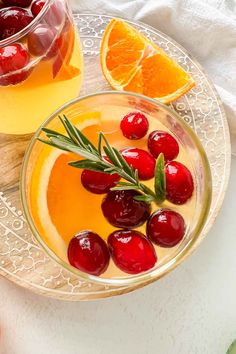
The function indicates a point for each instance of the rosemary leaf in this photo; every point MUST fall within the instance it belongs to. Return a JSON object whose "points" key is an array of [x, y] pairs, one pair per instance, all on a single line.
{"points": [[52, 133], [125, 188], [109, 151], [123, 163], [136, 175], [87, 164], [73, 148], [69, 131], [144, 198], [121, 183], [110, 170], [48, 142], [78, 135], [84, 139], [100, 144], [110, 155], [160, 179]]}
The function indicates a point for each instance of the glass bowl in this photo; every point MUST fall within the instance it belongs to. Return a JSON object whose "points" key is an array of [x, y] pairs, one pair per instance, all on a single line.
{"points": [[196, 210]]}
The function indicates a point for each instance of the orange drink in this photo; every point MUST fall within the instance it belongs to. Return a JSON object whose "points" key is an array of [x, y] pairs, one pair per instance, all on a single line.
{"points": [[40, 66], [120, 190], [60, 204]]}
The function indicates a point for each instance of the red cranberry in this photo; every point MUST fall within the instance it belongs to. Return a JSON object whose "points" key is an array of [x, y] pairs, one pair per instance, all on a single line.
{"points": [[21, 3], [37, 6], [54, 15], [140, 160], [40, 40], [54, 48], [98, 182], [162, 142], [89, 253], [134, 125], [131, 251], [179, 182], [165, 228], [12, 58], [13, 20], [122, 210]]}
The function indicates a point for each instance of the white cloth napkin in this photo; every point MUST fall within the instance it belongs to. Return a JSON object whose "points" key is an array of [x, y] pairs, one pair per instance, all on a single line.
{"points": [[207, 29]]}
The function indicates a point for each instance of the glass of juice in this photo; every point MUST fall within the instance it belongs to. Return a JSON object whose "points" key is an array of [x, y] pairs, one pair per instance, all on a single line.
{"points": [[40, 62], [71, 210]]}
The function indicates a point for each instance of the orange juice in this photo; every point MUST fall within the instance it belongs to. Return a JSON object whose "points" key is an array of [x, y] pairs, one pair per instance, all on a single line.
{"points": [[61, 206]]}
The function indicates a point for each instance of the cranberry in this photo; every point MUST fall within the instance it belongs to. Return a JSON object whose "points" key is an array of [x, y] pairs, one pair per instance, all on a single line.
{"points": [[131, 251], [40, 40], [12, 58], [21, 3], [140, 160], [89, 253], [55, 13], [165, 228], [37, 6], [13, 20], [122, 210], [162, 142], [98, 182], [134, 125], [179, 182], [54, 48]]}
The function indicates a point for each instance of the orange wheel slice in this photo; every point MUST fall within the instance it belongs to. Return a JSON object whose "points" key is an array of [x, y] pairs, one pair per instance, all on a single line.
{"points": [[131, 62]]}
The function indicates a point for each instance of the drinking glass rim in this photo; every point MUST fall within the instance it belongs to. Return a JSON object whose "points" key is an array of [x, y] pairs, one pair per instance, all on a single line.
{"points": [[15, 37], [152, 274]]}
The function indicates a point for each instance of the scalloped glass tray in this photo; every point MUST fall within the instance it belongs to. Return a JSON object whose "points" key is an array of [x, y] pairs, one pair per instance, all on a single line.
{"points": [[21, 259]]}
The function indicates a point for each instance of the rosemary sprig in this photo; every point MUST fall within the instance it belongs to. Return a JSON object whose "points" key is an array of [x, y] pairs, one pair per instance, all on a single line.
{"points": [[94, 160]]}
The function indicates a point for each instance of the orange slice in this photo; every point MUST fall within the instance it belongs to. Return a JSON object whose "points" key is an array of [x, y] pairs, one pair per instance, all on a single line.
{"points": [[52, 196], [131, 62], [61, 65]]}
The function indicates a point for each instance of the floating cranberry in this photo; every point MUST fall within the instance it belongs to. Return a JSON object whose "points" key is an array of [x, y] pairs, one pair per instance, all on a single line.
{"points": [[131, 251], [12, 58], [21, 3], [98, 182], [162, 142], [55, 13], [41, 39], [13, 20], [89, 253], [134, 125], [122, 210], [165, 228], [140, 160], [37, 6], [179, 182]]}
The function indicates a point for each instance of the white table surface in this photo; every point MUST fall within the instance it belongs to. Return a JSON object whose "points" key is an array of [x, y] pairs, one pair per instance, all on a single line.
{"points": [[190, 311]]}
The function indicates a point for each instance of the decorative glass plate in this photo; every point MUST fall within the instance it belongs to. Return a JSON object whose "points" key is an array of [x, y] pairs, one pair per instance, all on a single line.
{"points": [[21, 259]]}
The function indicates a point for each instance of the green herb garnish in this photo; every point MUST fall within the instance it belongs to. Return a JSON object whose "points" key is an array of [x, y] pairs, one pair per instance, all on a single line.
{"points": [[160, 179], [94, 160]]}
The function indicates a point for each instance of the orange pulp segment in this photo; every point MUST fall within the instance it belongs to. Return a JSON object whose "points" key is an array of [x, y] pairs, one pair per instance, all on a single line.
{"points": [[131, 62]]}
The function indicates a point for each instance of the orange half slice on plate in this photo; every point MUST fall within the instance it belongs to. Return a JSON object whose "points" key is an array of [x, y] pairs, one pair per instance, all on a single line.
{"points": [[131, 62]]}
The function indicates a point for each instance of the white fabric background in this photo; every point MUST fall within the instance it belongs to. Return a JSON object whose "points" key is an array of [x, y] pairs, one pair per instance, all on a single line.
{"points": [[207, 29]]}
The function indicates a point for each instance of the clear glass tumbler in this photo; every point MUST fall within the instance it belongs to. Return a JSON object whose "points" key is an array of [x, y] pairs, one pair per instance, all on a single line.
{"points": [[44, 71]]}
